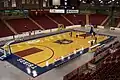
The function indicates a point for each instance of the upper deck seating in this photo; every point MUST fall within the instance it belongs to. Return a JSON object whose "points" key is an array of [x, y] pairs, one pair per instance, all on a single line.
{"points": [[4, 30], [97, 19], [61, 20], [22, 25], [44, 21]]}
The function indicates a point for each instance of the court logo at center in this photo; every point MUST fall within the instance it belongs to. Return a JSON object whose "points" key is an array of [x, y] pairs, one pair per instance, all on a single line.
{"points": [[64, 41]]}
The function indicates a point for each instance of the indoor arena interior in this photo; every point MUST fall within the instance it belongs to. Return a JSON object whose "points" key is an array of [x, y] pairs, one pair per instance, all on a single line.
{"points": [[59, 39]]}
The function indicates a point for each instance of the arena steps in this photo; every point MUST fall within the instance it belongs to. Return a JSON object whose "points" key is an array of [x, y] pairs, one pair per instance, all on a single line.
{"points": [[52, 19], [44, 21], [105, 21], [36, 23], [22, 25], [72, 18], [67, 20], [97, 19], [10, 27], [80, 19], [4, 30], [118, 25], [59, 19]]}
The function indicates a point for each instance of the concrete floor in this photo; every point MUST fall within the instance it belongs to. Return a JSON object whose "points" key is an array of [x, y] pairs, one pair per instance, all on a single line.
{"points": [[9, 72]]}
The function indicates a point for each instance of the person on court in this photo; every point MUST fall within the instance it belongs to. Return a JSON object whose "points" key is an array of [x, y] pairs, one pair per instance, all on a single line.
{"points": [[71, 34], [95, 40], [77, 34], [92, 31], [92, 43], [85, 35], [94, 34]]}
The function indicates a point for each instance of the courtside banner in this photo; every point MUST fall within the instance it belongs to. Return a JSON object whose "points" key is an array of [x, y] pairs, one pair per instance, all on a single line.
{"points": [[72, 11], [24, 65], [57, 11]]}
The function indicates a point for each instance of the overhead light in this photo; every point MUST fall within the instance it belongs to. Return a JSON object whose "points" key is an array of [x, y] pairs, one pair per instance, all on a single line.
{"points": [[56, 7], [93, 2], [83, 2], [65, 3], [65, 7], [109, 2], [101, 2], [73, 7], [113, 0]]}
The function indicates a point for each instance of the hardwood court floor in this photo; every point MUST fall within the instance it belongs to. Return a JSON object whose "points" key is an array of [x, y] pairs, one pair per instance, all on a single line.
{"points": [[40, 50]]}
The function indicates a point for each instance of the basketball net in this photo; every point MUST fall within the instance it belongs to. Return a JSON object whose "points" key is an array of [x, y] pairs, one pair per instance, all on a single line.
{"points": [[7, 50], [61, 27]]}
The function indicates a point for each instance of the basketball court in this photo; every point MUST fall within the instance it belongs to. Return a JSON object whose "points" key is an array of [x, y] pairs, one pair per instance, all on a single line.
{"points": [[46, 50]]}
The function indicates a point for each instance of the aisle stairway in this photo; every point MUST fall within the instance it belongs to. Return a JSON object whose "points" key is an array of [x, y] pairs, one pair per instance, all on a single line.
{"points": [[22, 25], [67, 20], [4, 30], [44, 21], [105, 21], [36, 23]]}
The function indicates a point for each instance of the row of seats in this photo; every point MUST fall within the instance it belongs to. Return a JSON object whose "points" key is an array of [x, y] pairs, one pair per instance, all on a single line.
{"points": [[117, 20], [4, 30], [78, 19], [100, 50], [25, 24], [22, 25], [107, 69], [44, 21], [97, 19], [58, 18], [94, 19]]}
